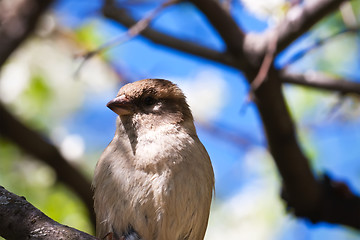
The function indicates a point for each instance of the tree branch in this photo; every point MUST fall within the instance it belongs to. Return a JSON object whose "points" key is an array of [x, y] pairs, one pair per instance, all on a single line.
{"points": [[309, 197], [232, 136], [121, 16], [14, 30], [224, 24], [21, 220], [318, 43], [319, 201], [265, 65], [132, 32], [321, 81], [293, 166], [301, 19], [34, 144], [24, 19], [339, 205], [303, 190], [298, 20]]}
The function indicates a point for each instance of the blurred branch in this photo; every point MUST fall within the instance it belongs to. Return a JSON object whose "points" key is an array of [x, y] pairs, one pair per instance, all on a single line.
{"points": [[132, 32], [265, 65], [21, 220], [15, 29], [303, 192], [339, 204], [292, 164], [225, 25], [34, 144], [318, 43], [121, 16], [321, 81], [301, 19], [238, 139], [135, 29], [303, 189]]}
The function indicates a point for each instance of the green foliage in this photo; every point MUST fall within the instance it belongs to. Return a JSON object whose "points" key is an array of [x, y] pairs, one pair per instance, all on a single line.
{"points": [[88, 36], [63, 206], [28, 177], [36, 100]]}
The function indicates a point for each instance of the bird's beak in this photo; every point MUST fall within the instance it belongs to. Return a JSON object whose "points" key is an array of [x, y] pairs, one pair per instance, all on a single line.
{"points": [[121, 105]]}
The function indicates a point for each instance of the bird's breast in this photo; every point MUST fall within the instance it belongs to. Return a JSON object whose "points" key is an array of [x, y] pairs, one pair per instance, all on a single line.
{"points": [[161, 149], [160, 189]]}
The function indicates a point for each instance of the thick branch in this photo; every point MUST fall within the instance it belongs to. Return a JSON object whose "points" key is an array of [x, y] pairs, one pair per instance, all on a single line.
{"points": [[291, 162], [338, 205], [224, 25], [303, 189], [308, 196], [21, 23], [121, 16], [320, 81], [297, 22], [34, 144], [21, 220], [316, 200]]}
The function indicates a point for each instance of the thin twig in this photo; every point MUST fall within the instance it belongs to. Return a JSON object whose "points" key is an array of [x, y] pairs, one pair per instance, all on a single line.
{"points": [[318, 43], [132, 32], [135, 30], [121, 16], [336, 107], [266, 64], [262, 73], [230, 135]]}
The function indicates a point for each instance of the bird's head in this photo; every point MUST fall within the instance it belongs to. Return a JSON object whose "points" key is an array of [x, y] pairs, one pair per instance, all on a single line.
{"points": [[155, 99]]}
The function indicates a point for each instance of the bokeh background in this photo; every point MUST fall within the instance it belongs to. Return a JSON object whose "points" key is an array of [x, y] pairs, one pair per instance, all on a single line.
{"points": [[44, 87]]}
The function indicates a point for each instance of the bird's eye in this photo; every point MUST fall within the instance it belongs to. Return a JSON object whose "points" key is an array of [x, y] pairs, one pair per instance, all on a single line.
{"points": [[148, 101]]}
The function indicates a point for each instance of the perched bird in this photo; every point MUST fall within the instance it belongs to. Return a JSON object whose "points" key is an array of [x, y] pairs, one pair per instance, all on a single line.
{"points": [[155, 180]]}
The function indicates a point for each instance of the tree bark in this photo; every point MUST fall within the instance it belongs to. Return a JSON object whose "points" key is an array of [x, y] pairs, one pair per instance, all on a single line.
{"points": [[21, 220]]}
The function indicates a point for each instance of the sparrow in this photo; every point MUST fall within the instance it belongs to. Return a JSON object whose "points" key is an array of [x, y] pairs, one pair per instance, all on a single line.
{"points": [[154, 181]]}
